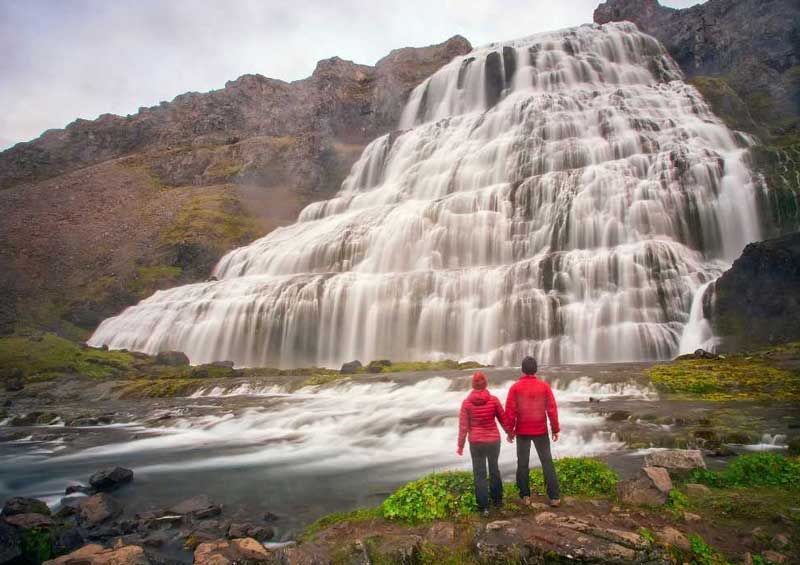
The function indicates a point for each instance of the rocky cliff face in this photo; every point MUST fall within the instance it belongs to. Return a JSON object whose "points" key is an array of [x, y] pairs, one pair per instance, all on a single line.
{"points": [[103, 212], [758, 300], [744, 56]]}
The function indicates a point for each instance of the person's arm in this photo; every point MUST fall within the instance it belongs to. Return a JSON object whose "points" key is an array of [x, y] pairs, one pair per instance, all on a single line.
{"points": [[463, 426], [511, 412], [552, 413], [500, 414]]}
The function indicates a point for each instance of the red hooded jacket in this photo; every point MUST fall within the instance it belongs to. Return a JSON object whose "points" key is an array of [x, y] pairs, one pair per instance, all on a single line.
{"points": [[477, 418], [529, 404]]}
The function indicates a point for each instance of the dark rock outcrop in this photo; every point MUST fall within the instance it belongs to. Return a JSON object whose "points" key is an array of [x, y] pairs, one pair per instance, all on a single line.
{"points": [[22, 505], [199, 506], [172, 358], [351, 367], [110, 479], [651, 486], [103, 213], [10, 543], [757, 301]]}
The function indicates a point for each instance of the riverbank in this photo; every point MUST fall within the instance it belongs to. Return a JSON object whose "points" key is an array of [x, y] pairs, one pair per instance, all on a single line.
{"points": [[685, 514]]}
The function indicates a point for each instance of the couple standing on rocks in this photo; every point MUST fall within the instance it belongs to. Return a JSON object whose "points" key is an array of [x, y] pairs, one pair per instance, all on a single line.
{"points": [[530, 403]]}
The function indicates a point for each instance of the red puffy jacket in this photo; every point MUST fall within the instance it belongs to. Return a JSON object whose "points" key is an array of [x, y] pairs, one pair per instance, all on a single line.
{"points": [[477, 418], [529, 404]]}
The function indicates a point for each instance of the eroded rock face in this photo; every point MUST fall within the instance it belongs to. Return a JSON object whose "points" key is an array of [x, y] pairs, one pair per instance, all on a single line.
{"points": [[757, 301], [102, 211]]}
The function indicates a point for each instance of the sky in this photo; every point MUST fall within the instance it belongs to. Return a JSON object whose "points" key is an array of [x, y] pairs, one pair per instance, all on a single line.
{"points": [[67, 59]]}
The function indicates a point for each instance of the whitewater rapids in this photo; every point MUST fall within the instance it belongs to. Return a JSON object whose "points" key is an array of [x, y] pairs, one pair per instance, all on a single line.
{"points": [[563, 195]]}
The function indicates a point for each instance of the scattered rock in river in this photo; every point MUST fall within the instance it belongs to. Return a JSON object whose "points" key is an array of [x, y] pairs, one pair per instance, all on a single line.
{"points": [[172, 358], [111, 479], [22, 505], [98, 508], [247, 530], [199, 506], [95, 554], [676, 459], [224, 552], [351, 368], [77, 489], [10, 543]]}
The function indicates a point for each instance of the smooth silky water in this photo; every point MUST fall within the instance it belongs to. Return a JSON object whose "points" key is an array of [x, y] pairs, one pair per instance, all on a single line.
{"points": [[564, 195], [299, 455]]}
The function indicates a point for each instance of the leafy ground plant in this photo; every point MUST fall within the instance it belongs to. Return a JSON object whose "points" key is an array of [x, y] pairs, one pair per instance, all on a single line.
{"points": [[435, 497], [579, 476], [756, 470]]}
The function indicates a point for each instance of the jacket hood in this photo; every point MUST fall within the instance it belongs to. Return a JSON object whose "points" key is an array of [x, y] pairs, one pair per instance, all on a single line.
{"points": [[479, 397]]}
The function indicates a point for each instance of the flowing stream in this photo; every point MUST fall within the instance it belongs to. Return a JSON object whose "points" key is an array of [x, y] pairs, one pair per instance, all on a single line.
{"points": [[563, 195]]}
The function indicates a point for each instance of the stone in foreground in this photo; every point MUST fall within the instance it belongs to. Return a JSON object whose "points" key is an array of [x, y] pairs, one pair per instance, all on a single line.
{"points": [[110, 479], [651, 486], [95, 554], [22, 505], [98, 508], [676, 459], [225, 552]]}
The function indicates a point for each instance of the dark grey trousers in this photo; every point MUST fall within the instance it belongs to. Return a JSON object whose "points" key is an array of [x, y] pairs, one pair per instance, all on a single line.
{"points": [[542, 445], [483, 453]]}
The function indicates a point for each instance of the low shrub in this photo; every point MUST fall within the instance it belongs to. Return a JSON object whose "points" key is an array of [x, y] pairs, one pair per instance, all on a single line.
{"points": [[755, 470], [435, 497], [579, 476]]}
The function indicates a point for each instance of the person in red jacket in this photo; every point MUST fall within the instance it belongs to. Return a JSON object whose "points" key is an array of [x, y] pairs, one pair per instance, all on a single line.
{"points": [[477, 420], [529, 405]]}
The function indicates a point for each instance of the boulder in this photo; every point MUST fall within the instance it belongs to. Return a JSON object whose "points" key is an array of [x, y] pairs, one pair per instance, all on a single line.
{"points": [[199, 506], [22, 505], [351, 368], [110, 479], [224, 552], [95, 554], [695, 489], [673, 538], [77, 489], [98, 508], [10, 543], [246, 530], [29, 521], [378, 366], [172, 358], [651, 486], [676, 459]]}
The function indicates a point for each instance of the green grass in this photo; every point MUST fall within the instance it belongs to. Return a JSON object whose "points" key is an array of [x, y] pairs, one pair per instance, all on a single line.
{"points": [[737, 377], [755, 470], [51, 356], [451, 495], [359, 515]]}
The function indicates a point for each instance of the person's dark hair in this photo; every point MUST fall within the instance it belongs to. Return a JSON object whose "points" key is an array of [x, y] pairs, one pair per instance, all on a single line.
{"points": [[529, 366]]}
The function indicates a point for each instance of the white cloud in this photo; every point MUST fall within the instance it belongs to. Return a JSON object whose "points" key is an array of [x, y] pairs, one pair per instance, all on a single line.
{"points": [[65, 59]]}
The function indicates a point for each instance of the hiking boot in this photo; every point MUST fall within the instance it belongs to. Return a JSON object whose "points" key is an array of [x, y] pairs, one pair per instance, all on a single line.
{"points": [[526, 500], [485, 512], [555, 503]]}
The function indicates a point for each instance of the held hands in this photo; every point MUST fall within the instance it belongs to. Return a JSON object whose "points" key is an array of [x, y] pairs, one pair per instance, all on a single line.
{"points": [[460, 451], [510, 438], [555, 436]]}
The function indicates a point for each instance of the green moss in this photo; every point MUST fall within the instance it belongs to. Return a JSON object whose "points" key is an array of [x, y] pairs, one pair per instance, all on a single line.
{"points": [[50, 356], [737, 377], [37, 546], [158, 388], [754, 470], [152, 278], [359, 515], [579, 476], [444, 365]]}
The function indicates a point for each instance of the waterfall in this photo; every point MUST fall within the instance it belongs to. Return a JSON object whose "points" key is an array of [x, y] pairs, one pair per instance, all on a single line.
{"points": [[563, 195]]}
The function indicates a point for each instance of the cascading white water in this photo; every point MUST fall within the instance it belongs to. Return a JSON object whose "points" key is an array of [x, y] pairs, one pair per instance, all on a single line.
{"points": [[563, 195]]}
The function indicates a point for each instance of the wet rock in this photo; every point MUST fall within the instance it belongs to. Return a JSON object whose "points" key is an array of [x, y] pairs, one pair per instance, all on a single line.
{"points": [[65, 512], [22, 505], [199, 506], [14, 384], [157, 539], [246, 530], [111, 479], [442, 533], [695, 489], [29, 521], [10, 543], [673, 538], [378, 366], [780, 541], [224, 552], [493, 78], [95, 554], [270, 517], [223, 364], [34, 418], [87, 420], [66, 540], [651, 486], [774, 556], [78, 489], [676, 459], [172, 358], [351, 367], [618, 416], [98, 508]]}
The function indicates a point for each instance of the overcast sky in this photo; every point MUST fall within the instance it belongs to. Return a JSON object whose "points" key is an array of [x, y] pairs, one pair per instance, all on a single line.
{"points": [[65, 59]]}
